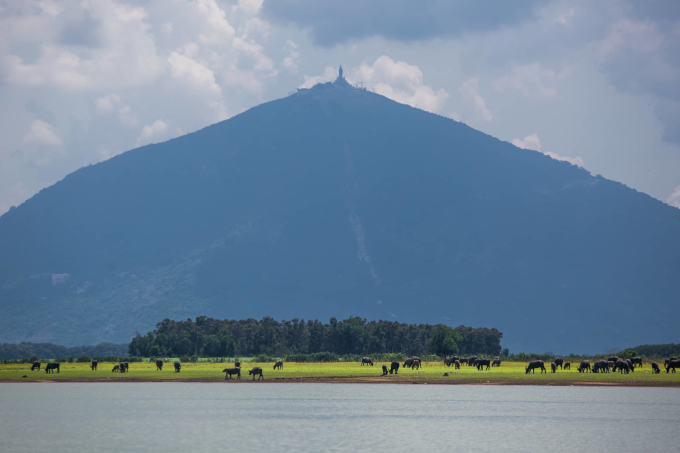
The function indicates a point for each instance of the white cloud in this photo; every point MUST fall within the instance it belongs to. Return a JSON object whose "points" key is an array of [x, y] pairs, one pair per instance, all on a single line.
{"points": [[107, 103], [151, 131], [167, 28], [674, 199], [293, 58], [42, 133], [216, 26], [469, 92], [329, 74], [400, 82], [534, 143], [529, 79], [249, 7], [565, 18]]}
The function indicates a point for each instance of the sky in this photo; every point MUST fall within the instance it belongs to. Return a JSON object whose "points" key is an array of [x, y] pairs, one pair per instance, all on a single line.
{"points": [[595, 83]]}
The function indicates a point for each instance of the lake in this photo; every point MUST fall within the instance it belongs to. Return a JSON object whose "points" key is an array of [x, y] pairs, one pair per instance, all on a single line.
{"points": [[264, 417]]}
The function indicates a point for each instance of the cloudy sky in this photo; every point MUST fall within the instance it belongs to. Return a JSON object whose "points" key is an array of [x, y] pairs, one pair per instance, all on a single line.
{"points": [[592, 82]]}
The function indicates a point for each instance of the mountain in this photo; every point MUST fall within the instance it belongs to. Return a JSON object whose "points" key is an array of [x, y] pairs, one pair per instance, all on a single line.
{"points": [[335, 201]]}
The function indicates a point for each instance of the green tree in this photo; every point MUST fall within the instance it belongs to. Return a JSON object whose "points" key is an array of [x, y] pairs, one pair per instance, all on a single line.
{"points": [[444, 341]]}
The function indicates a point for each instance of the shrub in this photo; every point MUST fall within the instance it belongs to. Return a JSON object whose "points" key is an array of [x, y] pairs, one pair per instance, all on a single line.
{"points": [[83, 359]]}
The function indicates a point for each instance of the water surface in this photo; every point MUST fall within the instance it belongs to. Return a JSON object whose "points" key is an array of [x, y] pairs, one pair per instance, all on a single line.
{"points": [[201, 417]]}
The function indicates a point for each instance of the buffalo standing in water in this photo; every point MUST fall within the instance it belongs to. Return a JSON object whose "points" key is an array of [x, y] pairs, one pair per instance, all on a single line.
{"points": [[672, 364], [481, 363], [278, 364], [230, 371], [366, 361], [35, 366], [93, 365], [115, 368], [394, 367], [178, 366], [256, 371], [50, 367], [655, 368], [159, 365], [384, 370], [585, 365], [536, 364], [553, 367], [559, 361]]}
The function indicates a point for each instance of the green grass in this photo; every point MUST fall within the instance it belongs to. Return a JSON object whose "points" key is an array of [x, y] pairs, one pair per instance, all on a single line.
{"points": [[432, 372]]}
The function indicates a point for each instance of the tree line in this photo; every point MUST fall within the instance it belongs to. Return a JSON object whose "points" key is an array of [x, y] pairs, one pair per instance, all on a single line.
{"points": [[208, 337]]}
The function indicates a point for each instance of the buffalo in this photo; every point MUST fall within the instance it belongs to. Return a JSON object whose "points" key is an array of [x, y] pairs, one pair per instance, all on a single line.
{"points": [[123, 367], [585, 365], [384, 370], [408, 363], [630, 365], [599, 366], [672, 364], [465, 361], [50, 367], [622, 365], [613, 359], [471, 360], [178, 366], [93, 365], [237, 364], [481, 363], [553, 367], [457, 364], [559, 361], [496, 362], [278, 364], [415, 365], [230, 371], [115, 368], [35, 366], [636, 361], [535, 364], [255, 372], [159, 365], [366, 361], [611, 365], [567, 365], [394, 367], [655, 368], [448, 361]]}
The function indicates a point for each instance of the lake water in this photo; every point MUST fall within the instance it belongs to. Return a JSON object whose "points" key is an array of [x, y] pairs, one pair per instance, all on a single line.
{"points": [[262, 417]]}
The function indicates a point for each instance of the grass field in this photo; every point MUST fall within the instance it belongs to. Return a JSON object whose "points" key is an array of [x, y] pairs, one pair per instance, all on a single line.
{"points": [[509, 373]]}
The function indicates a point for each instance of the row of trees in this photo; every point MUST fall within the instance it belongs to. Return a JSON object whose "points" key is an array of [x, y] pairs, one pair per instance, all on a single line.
{"points": [[208, 337]]}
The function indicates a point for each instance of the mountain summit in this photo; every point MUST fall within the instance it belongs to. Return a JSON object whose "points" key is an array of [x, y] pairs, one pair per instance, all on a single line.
{"points": [[336, 201]]}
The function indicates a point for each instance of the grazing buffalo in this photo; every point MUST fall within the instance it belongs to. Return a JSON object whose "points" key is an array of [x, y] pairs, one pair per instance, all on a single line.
{"points": [[123, 367], [613, 359], [636, 361], [553, 367], [585, 365], [465, 361], [159, 365], [481, 363], [230, 371], [35, 366], [279, 364], [611, 365], [655, 368], [394, 367], [496, 362], [622, 365], [457, 364], [237, 364], [50, 367], [255, 372], [178, 366], [448, 361], [93, 365], [471, 360], [408, 363], [115, 368], [630, 365], [366, 361], [535, 364], [567, 365], [672, 364], [416, 364], [384, 370], [559, 361], [599, 366]]}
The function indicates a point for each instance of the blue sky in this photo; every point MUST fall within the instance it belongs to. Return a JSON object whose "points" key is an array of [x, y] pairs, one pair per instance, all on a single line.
{"points": [[591, 82]]}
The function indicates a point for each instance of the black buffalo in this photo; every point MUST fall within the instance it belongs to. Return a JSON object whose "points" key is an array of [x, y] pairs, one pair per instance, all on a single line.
{"points": [[655, 368], [366, 361], [159, 365], [278, 364], [496, 362], [636, 361], [672, 364], [567, 365], [35, 366], [599, 367], [622, 365], [255, 372], [553, 367], [613, 359], [237, 364], [50, 367], [585, 365], [93, 365], [481, 363], [394, 367], [465, 361], [178, 366], [559, 361], [535, 364], [408, 363], [123, 367], [115, 368], [448, 361], [457, 364], [230, 371], [384, 370], [471, 360], [415, 365]]}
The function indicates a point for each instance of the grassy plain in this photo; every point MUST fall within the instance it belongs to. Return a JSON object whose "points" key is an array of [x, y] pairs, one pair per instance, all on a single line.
{"points": [[509, 373]]}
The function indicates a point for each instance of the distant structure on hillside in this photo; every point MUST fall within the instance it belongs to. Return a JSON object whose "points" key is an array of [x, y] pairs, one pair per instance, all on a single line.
{"points": [[340, 77]]}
